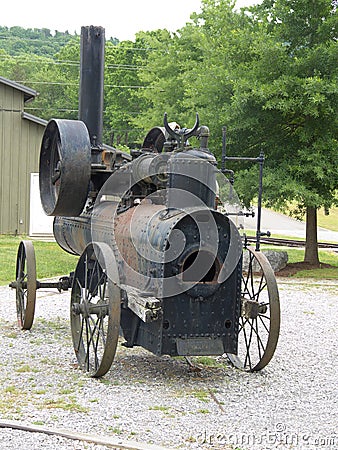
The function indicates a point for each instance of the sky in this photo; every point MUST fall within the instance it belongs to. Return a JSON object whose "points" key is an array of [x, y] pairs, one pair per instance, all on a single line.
{"points": [[121, 19]]}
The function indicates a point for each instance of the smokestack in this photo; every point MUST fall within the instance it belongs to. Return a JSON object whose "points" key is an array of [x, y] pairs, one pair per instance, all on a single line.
{"points": [[91, 81]]}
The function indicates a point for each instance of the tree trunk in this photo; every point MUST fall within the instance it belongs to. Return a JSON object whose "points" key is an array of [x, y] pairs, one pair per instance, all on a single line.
{"points": [[311, 246]]}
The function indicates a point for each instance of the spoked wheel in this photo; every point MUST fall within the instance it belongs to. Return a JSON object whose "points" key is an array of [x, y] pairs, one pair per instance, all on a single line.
{"points": [[25, 284], [95, 309], [260, 314]]}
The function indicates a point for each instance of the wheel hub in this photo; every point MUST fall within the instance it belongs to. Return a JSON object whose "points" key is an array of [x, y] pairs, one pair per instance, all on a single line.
{"points": [[86, 309], [251, 309]]}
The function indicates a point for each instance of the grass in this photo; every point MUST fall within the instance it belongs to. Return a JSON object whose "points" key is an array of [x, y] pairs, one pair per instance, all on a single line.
{"points": [[322, 273], [330, 221], [326, 257], [207, 361], [26, 368], [51, 260], [67, 404], [201, 395], [158, 408]]}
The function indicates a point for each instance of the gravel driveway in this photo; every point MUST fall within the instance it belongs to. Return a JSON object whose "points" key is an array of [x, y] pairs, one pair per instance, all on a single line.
{"points": [[290, 404]]}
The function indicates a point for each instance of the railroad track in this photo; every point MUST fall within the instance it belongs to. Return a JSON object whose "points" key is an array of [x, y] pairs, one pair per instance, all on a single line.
{"points": [[290, 242]]}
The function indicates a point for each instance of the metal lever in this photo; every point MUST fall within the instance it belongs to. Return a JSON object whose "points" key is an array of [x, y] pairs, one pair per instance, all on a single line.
{"points": [[183, 134]]}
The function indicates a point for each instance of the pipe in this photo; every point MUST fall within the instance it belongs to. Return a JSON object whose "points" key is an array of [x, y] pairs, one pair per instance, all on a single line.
{"points": [[91, 81]]}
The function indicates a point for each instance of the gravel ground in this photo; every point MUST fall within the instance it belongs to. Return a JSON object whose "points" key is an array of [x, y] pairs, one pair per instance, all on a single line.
{"points": [[292, 403]]}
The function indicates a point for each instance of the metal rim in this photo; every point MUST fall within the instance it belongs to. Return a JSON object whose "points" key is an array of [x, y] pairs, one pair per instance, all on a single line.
{"points": [[259, 321], [25, 284], [95, 310]]}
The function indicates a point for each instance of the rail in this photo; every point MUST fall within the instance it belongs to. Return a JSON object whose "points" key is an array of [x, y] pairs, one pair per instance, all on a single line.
{"points": [[290, 242]]}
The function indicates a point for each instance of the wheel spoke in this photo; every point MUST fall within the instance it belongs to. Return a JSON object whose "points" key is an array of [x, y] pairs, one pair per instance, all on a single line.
{"points": [[264, 325], [97, 343], [91, 342], [86, 277], [242, 325], [262, 286], [91, 279], [255, 330], [252, 278], [80, 336], [247, 346], [258, 340], [99, 329], [87, 358]]}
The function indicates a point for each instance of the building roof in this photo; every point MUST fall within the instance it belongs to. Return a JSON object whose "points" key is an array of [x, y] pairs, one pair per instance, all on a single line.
{"points": [[35, 119], [29, 94]]}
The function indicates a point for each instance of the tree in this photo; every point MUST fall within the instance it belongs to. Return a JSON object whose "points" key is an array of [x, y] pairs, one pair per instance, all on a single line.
{"points": [[123, 61], [161, 77], [55, 77], [296, 106], [269, 73]]}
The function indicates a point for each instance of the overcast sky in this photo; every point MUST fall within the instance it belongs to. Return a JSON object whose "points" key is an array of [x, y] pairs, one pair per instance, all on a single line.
{"points": [[121, 19]]}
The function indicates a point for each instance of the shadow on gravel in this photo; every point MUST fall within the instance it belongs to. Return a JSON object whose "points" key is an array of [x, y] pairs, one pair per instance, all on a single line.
{"points": [[141, 366]]}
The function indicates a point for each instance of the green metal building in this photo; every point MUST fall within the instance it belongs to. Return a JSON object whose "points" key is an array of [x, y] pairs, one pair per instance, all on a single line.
{"points": [[20, 140]]}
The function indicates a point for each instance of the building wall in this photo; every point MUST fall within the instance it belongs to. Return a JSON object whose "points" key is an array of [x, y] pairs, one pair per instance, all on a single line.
{"points": [[20, 141]]}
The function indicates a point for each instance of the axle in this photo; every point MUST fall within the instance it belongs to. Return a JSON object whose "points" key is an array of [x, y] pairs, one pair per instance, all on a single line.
{"points": [[63, 284]]}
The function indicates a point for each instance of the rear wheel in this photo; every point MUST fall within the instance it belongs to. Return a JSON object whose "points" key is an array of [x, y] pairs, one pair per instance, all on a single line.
{"points": [[25, 284], [259, 320]]}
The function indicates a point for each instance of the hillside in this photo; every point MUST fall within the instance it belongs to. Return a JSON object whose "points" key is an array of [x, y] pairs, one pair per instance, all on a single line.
{"points": [[16, 41]]}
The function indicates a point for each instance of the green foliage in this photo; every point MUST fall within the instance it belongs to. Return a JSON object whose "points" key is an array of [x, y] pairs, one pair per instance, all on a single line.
{"points": [[18, 41], [55, 78], [294, 102], [124, 61], [269, 73], [51, 260]]}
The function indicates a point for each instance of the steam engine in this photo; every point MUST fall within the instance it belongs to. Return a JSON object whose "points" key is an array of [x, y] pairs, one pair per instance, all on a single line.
{"points": [[179, 259]]}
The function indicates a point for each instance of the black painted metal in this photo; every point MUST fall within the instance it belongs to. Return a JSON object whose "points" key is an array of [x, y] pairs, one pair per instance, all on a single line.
{"points": [[259, 206], [65, 167], [91, 82], [200, 312]]}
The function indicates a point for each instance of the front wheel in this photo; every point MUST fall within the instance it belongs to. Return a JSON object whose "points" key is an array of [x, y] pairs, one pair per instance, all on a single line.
{"points": [[259, 321], [95, 309]]}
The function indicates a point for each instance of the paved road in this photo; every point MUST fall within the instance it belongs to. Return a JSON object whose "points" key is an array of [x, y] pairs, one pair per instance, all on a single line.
{"points": [[278, 223]]}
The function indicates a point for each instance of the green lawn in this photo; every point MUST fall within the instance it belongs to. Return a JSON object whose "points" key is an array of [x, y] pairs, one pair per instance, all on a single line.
{"points": [[323, 273], [331, 221], [51, 260]]}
